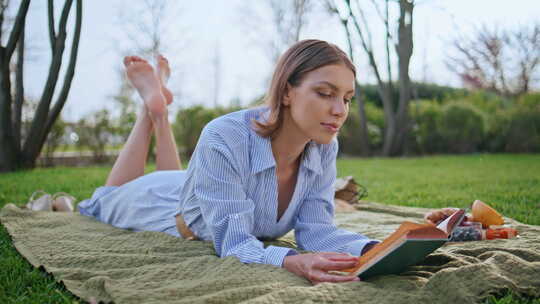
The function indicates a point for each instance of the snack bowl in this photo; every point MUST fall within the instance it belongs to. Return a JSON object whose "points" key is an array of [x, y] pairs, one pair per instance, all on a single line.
{"points": [[486, 215]]}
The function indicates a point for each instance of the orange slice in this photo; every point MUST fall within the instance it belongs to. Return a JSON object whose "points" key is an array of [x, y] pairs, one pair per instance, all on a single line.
{"points": [[486, 215]]}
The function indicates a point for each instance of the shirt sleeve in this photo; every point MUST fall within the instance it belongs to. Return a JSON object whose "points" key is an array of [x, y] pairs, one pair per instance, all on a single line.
{"points": [[314, 227], [225, 207]]}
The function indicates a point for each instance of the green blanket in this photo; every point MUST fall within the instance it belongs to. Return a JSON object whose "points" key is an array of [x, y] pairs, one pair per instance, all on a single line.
{"points": [[96, 261]]}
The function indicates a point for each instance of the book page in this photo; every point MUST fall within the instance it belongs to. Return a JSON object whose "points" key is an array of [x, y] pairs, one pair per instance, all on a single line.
{"points": [[452, 221]]}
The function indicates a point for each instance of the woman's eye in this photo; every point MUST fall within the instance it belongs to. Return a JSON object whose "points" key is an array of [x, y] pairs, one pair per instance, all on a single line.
{"points": [[324, 95]]}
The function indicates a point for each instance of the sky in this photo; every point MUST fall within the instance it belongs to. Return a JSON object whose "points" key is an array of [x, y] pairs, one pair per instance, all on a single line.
{"points": [[195, 33]]}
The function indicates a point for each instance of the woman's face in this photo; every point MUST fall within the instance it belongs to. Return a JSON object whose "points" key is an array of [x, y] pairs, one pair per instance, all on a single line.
{"points": [[319, 106]]}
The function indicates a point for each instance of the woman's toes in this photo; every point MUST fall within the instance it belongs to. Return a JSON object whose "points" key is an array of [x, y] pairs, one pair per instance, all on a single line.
{"points": [[137, 58], [132, 59], [127, 60]]}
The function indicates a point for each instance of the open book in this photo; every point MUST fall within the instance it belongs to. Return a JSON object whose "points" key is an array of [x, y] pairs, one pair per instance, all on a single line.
{"points": [[408, 245]]}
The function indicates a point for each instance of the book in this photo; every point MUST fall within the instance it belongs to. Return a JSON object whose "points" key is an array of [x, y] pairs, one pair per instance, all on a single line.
{"points": [[406, 246]]}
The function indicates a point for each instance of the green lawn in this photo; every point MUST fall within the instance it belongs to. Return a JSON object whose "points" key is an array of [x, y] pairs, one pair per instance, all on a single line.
{"points": [[510, 183]]}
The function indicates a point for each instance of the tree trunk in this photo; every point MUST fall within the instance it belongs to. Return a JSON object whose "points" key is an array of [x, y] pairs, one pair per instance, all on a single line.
{"points": [[389, 118], [8, 152], [12, 157], [404, 50], [363, 137], [365, 150]]}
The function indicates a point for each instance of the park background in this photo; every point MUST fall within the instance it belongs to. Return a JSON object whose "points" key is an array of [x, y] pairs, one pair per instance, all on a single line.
{"points": [[453, 115], [471, 85]]}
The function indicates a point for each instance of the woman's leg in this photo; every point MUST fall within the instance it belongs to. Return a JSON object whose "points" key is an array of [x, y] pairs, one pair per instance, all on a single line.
{"points": [[167, 157], [132, 159]]}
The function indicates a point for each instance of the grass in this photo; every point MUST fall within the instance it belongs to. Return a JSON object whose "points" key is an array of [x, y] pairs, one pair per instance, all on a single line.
{"points": [[510, 183], [73, 148]]}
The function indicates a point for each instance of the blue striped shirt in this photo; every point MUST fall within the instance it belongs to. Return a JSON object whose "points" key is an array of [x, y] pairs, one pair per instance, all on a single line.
{"points": [[230, 195]]}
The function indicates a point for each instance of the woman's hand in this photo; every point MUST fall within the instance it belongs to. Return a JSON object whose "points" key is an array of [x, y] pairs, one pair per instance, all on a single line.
{"points": [[315, 266], [435, 216]]}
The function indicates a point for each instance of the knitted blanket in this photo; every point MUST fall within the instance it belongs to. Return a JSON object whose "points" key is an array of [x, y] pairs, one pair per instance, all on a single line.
{"points": [[98, 262]]}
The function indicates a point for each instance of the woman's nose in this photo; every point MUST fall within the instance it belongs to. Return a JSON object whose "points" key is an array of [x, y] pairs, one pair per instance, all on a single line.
{"points": [[339, 108]]}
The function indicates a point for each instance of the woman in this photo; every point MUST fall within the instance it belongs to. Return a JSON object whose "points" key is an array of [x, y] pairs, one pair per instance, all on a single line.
{"points": [[255, 174]]}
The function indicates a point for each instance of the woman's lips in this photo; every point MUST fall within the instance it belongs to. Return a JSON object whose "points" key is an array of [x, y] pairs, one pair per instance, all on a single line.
{"points": [[331, 127]]}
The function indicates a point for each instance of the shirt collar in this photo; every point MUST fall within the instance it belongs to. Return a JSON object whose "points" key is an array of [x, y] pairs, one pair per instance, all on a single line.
{"points": [[260, 153], [262, 158]]}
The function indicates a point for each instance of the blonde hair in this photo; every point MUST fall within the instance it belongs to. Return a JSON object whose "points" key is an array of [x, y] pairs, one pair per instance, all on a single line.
{"points": [[300, 59]]}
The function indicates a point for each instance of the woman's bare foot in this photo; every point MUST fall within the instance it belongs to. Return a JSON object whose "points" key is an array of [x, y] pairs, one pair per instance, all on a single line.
{"points": [[141, 75], [163, 72]]}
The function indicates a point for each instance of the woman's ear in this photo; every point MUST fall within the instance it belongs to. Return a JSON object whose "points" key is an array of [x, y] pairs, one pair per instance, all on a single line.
{"points": [[287, 96]]}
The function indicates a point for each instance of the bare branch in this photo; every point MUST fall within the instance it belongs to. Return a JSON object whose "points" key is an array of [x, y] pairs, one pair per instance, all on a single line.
{"points": [[52, 35], [364, 22], [64, 17], [330, 7], [364, 137], [17, 29], [349, 38], [528, 60], [37, 134], [62, 97], [378, 10], [287, 19], [382, 88], [502, 62], [19, 92], [365, 46], [387, 42], [3, 6]]}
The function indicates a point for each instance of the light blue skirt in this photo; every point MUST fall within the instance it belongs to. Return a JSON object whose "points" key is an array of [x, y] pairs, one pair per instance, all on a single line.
{"points": [[148, 203]]}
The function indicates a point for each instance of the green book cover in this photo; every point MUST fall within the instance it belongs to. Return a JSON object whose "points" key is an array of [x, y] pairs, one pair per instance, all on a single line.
{"points": [[409, 253]]}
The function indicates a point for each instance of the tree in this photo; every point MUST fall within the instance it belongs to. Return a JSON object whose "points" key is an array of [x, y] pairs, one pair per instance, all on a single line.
{"points": [[504, 62], [353, 18], [288, 19], [359, 97], [15, 151]]}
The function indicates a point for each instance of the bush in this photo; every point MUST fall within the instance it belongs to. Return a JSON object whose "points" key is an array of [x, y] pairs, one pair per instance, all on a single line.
{"points": [[94, 133], [349, 142], [487, 102], [189, 124], [523, 132], [515, 129], [425, 114], [462, 127], [54, 140], [530, 101], [495, 139], [375, 115], [427, 91]]}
